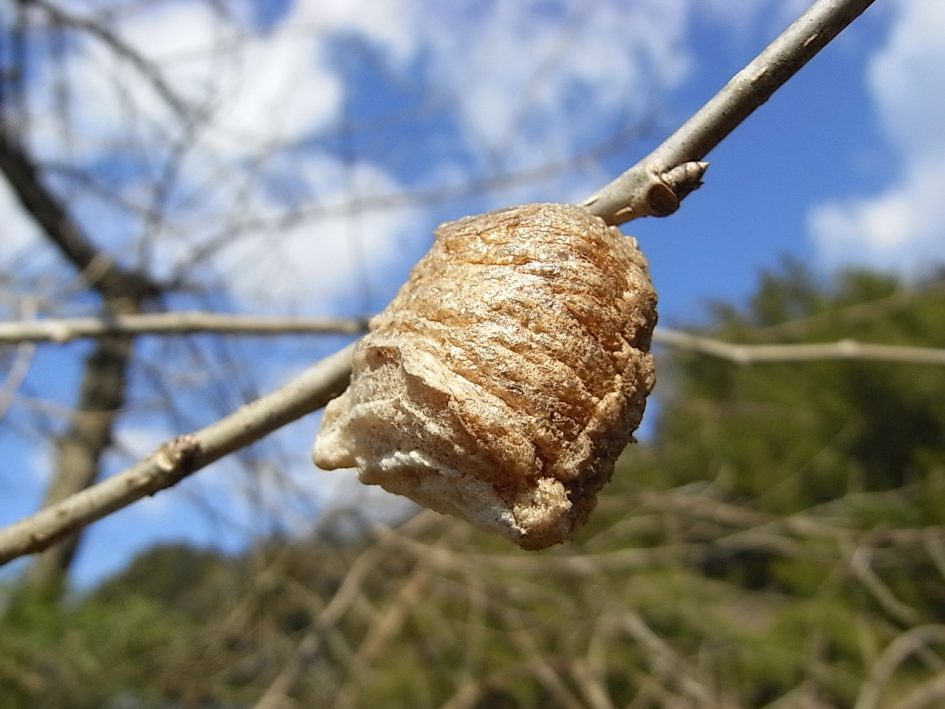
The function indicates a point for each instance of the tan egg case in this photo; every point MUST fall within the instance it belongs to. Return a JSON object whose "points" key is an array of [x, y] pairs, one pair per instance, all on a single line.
{"points": [[506, 376]]}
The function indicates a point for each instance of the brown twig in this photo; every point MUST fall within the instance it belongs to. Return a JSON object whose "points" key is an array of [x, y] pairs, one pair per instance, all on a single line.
{"points": [[907, 643]]}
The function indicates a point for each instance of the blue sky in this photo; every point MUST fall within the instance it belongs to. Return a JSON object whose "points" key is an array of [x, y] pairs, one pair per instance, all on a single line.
{"points": [[416, 113]]}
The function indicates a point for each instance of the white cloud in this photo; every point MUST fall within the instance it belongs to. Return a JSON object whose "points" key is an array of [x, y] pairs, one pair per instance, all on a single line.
{"points": [[741, 16], [311, 261], [526, 79], [527, 83], [906, 79], [536, 79], [18, 231], [389, 24], [901, 227], [254, 89]]}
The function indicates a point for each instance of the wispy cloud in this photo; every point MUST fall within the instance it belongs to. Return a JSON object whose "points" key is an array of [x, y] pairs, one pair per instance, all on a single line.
{"points": [[515, 85]]}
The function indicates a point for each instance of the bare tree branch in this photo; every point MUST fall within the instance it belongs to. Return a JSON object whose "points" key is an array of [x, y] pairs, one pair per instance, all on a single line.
{"points": [[121, 48], [80, 447], [180, 457], [186, 454], [191, 322], [97, 269], [172, 323], [842, 349], [656, 184]]}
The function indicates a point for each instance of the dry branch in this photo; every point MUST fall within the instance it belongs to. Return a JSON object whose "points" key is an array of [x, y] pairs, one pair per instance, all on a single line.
{"points": [[65, 330], [180, 457], [656, 184], [819, 351], [172, 323], [80, 448], [906, 644], [97, 269]]}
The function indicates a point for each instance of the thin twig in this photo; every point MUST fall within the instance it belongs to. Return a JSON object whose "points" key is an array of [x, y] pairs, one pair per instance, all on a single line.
{"points": [[818, 351], [19, 368], [180, 457], [15, 376], [927, 694], [196, 322], [329, 616], [656, 184], [860, 564], [172, 323], [386, 627], [907, 643], [146, 68]]}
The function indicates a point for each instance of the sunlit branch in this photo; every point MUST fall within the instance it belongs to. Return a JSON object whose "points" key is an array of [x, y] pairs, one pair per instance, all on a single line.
{"points": [[819, 351], [656, 184], [196, 322], [172, 323], [180, 457]]}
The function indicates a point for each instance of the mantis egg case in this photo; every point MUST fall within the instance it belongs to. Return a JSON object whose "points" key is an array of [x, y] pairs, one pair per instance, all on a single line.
{"points": [[506, 376]]}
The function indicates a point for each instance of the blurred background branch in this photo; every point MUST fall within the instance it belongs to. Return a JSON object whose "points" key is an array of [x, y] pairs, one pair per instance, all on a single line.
{"points": [[61, 331]]}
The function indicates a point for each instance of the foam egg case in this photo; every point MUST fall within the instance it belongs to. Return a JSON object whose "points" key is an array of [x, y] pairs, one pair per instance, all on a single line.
{"points": [[506, 376]]}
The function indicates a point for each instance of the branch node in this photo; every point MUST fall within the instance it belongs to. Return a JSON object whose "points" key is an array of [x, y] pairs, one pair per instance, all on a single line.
{"points": [[638, 192], [176, 454], [685, 178], [667, 189], [60, 334], [661, 199]]}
